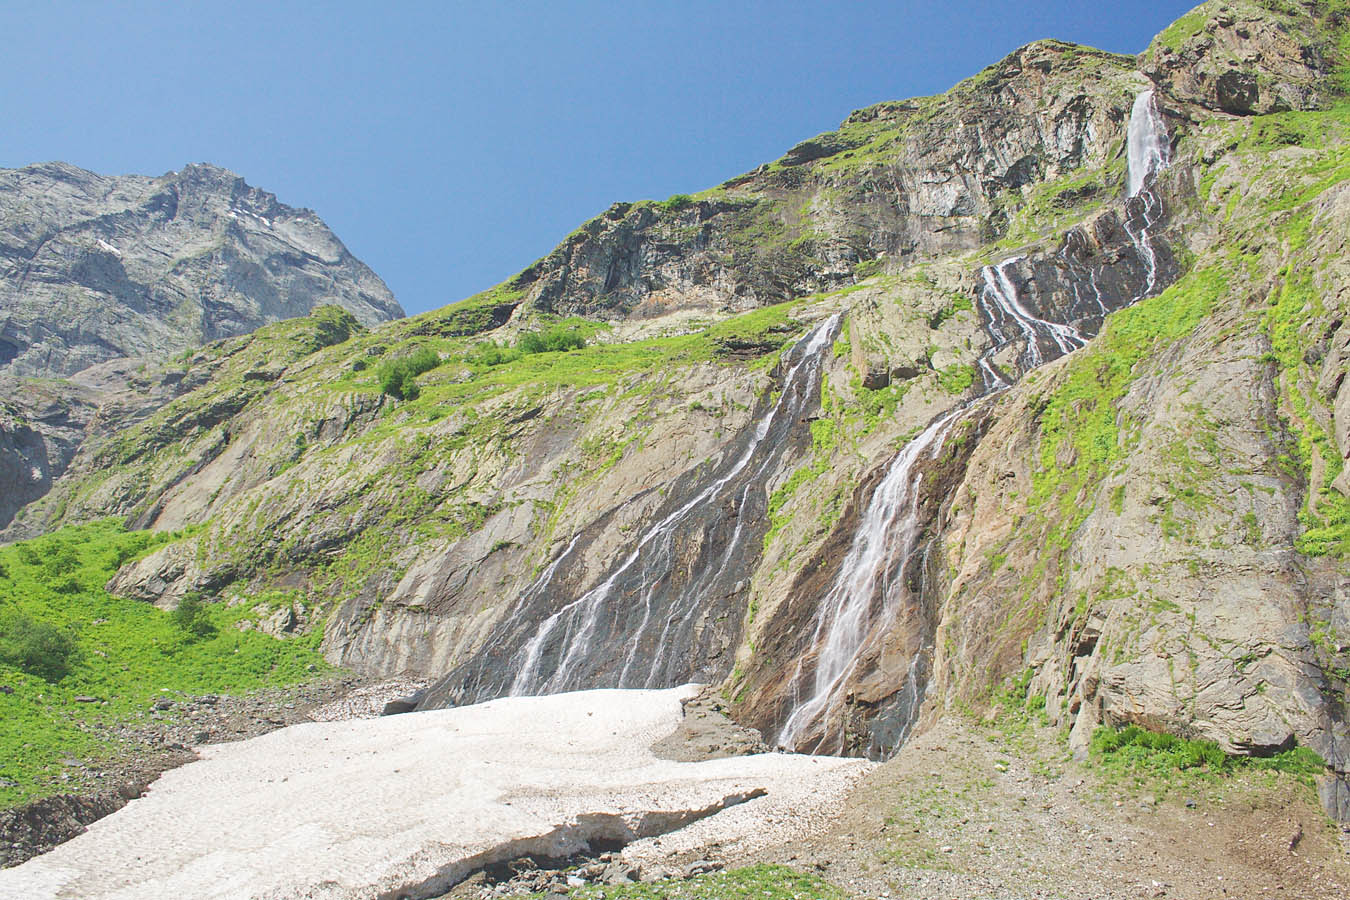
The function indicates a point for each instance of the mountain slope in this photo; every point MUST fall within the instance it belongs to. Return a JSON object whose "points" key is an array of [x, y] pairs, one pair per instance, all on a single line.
{"points": [[860, 507]]}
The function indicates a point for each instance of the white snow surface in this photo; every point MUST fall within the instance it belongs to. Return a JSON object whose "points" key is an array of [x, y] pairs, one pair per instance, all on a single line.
{"points": [[413, 803]]}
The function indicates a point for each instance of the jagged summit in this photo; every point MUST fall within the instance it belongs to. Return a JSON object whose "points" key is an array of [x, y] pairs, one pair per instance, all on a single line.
{"points": [[94, 267]]}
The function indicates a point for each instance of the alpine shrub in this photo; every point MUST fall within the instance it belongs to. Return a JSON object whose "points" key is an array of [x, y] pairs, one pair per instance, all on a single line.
{"points": [[37, 648], [192, 618], [398, 377], [551, 341]]}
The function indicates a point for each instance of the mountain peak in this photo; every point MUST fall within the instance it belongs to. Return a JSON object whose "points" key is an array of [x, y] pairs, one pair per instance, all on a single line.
{"points": [[95, 267]]}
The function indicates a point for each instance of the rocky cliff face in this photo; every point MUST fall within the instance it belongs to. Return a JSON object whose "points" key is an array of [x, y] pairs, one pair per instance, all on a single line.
{"points": [[896, 183], [95, 267], [1069, 425]]}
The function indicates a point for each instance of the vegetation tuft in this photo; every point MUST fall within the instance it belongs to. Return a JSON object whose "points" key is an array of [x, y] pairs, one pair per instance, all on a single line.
{"points": [[37, 648], [761, 882], [398, 377], [553, 340], [1133, 750]]}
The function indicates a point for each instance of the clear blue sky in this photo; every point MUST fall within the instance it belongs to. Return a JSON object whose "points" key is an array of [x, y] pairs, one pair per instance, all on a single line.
{"points": [[449, 144]]}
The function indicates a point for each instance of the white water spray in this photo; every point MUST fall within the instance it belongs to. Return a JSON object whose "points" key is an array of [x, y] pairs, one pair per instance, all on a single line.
{"points": [[1149, 153], [887, 537], [654, 552], [1146, 142]]}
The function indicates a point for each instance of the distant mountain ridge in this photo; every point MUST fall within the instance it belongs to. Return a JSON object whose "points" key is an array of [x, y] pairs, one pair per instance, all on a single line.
{"points": [[96, 267]]}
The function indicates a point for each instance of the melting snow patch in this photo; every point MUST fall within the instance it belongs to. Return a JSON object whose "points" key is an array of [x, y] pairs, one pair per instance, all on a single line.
{"points": [[414, 803]]}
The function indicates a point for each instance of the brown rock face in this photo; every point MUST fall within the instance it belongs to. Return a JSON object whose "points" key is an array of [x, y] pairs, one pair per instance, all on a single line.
{"points": [[1246, 58]]}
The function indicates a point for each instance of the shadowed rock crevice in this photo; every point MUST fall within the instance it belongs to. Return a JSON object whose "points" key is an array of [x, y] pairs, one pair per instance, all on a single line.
{"points": [[587, 833]]}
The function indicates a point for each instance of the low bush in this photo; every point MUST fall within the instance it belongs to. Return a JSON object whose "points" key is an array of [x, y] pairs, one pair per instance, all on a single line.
{"points": [[332, 325], [490, 353], [398, 377], [191, 617], [550, 341], [37, 648]]}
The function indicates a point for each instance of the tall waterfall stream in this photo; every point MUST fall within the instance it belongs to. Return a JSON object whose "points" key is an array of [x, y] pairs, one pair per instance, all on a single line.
{"points": [[637, 626], [871, 584]]}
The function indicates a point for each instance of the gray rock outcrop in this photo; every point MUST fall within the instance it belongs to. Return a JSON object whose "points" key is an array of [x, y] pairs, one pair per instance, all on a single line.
{"points": [[95, 267]]}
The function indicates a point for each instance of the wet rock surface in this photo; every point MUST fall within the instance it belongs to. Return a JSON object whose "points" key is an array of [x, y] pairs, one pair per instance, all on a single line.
{"points": [[707, 731]]}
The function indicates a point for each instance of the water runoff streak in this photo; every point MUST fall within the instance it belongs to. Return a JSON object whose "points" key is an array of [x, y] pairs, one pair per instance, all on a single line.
{"points": [[869, 588], [1010, 319], [871, 582], [635, 628]]}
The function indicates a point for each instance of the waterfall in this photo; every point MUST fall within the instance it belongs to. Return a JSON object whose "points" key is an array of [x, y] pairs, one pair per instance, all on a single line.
{"points": [[1149, 153], [636, 626], [871, 582], [889, 531], [653, 556], [1003, 306], [1146, 142], [873, 571]]}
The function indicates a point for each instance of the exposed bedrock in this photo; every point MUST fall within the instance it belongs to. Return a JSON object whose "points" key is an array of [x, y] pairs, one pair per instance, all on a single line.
{"points": [[896, 182], [670, 607], [95, 267]]}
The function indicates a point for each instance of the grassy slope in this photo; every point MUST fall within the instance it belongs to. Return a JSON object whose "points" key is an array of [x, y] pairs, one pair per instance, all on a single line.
{"points": [[126, 654]]}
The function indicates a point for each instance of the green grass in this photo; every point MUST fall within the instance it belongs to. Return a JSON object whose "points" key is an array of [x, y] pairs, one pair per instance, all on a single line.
{"points": [[126, 653], [1134, 752], [957, 378], [1325, 515], [1051, 207], [472, 315], [1182, 30], [1081, 420], [761, 882], [473, 373]]}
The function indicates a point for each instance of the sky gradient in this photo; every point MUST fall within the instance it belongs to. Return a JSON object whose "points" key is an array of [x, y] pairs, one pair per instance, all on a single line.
{"points": [[451, 144]]}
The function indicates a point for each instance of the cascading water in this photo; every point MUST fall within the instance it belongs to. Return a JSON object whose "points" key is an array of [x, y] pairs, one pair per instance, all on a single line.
{"points": [[630, 629], [1149, 153], [865, 594], [868, 589], [1003, 307], [1147, 145]]}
